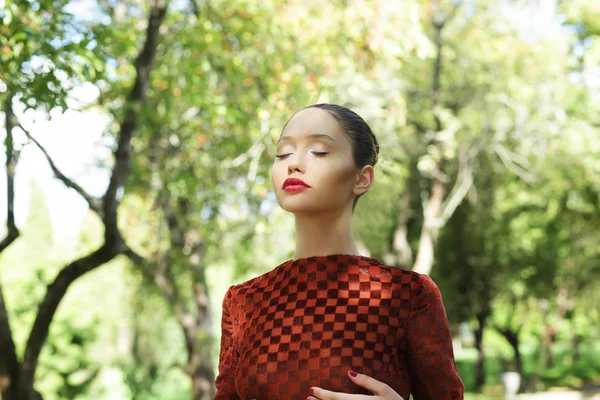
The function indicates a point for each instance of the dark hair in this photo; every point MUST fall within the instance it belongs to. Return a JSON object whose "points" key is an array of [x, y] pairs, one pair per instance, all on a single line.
{"points": [[365, 149]]}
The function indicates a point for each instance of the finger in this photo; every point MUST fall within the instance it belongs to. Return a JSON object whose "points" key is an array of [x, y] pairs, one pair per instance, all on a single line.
{"points": [[378, 388], [323, 394]]}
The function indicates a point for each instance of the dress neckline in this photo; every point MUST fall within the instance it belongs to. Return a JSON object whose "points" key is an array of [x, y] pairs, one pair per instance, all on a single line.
{"points": [[330, 257]]}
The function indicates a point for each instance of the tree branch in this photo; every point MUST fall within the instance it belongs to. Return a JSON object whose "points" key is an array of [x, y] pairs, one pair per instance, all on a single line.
{"points": [[513, 163], [93, 202], [47, 309], [143, 66], [463, 184]]}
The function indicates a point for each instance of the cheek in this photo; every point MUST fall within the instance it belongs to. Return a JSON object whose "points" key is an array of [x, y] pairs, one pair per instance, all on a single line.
{"points": [[275, 173], [341, 179]]}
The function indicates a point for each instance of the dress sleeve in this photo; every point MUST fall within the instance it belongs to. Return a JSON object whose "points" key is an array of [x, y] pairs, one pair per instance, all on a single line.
{"points": [[431, 363], [225, 381]]}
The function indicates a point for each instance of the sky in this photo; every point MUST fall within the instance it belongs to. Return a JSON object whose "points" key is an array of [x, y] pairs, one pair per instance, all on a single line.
{"points": [[74, 141]]}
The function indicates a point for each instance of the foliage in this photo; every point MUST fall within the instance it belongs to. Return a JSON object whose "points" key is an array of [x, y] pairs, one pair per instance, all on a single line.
{"points": [[456, 91]]}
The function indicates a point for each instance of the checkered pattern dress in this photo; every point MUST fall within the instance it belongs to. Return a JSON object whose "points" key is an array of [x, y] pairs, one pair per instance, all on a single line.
{"points": [[308, 321]]}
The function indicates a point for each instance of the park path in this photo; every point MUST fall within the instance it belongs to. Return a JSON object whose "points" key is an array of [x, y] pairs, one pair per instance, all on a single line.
{"points": [[589, 392]]}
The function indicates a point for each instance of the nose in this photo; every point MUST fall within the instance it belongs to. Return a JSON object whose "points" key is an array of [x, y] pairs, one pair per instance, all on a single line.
{"points": [[296, 163]]}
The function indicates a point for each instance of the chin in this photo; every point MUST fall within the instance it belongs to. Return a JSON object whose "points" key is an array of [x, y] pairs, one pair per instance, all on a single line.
{"points": [[298, 206], [306, 208]]}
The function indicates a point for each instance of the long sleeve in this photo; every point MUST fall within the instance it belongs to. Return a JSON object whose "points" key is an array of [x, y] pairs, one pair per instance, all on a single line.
{"points": [[431, 363], [225, 381]]}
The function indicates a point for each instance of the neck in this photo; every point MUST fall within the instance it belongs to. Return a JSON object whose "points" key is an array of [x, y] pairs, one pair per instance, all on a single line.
{"points": [[321, 235]]}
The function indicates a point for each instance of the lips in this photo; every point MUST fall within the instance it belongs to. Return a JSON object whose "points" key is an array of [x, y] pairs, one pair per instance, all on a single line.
{"points": [[294, 184]]}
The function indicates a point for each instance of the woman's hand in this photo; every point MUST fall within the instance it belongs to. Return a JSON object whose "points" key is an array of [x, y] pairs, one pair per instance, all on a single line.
{"points": [[379, 389]]}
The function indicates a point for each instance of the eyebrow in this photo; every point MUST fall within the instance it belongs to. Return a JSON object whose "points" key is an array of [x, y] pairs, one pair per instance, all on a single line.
{"points": [[313, 136]]}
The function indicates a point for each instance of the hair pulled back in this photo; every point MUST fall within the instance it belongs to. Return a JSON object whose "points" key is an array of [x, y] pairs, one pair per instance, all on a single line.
{"points": [[365, 149]]}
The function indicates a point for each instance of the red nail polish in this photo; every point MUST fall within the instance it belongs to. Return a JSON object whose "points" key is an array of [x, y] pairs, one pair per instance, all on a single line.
{"points": [[312, 392], [352, 373]]}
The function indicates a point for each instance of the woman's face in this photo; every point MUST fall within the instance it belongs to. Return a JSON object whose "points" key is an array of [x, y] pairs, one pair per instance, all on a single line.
{"points": [[314, 149]]}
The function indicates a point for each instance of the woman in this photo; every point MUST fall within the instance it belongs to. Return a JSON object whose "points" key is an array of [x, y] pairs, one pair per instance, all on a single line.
{"points": [[331, 324]]}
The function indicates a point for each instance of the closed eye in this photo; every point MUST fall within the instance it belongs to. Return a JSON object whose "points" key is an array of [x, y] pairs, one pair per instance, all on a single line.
{"points": [[317, 153]]}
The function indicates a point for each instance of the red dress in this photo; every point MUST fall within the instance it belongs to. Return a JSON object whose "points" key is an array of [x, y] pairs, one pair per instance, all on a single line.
{"points": [[308, 321]]}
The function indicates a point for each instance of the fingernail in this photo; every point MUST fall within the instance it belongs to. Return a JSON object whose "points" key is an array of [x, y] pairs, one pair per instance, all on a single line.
{"points": [[352, 373], [312, 392]]}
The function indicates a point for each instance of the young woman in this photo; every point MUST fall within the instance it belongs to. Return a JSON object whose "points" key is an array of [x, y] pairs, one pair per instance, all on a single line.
{"points": [[331, 324]]}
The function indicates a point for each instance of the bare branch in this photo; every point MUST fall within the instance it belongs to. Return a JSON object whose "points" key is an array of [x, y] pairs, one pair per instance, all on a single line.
{"points": [[252, 152], [93, 202], [439, 25], [513, 162], [463, 184]]}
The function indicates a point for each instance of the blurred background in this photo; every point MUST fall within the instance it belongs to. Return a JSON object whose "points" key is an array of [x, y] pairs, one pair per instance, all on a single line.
{"points": [[138, 138]]}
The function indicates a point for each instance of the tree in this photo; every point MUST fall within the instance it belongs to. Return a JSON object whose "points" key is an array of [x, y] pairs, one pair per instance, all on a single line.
{"points": [[22, 378]]}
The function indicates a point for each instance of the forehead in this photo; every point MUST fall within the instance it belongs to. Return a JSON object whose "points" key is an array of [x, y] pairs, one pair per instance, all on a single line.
{"points": [[313, 120]]}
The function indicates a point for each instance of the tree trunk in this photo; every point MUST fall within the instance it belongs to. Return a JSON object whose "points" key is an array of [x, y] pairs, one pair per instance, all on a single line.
{"points": [[202, 374], [11, 165], [514, 342], [195, 323], [480, 362], [430, 230], [198, 339], [513, 339], [401, 253], [47, 309], [576, 347], [547, 342], [9, 365], [550, 330]]}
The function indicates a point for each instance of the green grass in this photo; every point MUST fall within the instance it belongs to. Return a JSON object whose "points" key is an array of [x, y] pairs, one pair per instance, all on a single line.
{"points": [[483, 396], [566, 372]]}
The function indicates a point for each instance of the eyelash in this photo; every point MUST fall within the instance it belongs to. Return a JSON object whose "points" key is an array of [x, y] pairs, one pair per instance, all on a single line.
{"points": [[317, 153]]}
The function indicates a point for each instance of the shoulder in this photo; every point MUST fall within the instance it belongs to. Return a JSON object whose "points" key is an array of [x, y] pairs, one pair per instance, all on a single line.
{"points": [[404, 276], [253, 285], [419, 285]]}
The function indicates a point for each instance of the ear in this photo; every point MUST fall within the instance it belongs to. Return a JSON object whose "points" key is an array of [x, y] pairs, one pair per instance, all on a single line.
{"points": [[364, 180]]}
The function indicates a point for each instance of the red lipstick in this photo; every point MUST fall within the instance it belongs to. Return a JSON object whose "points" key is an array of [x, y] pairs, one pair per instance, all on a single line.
{"points": [[294, 185]]}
